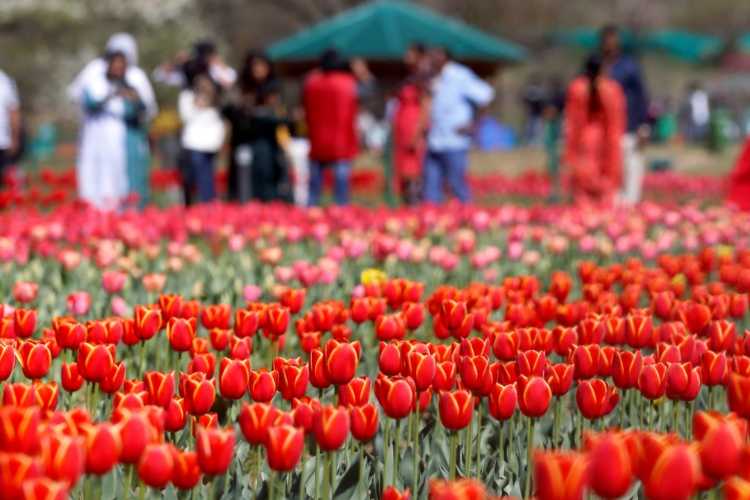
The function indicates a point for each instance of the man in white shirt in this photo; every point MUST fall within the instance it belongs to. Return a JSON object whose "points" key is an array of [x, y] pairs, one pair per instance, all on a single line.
{"points": [[10, 121], [457, 94]]}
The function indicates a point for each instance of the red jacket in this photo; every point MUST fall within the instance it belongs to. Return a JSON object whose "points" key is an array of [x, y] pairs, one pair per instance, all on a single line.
{"points": [[330, 101]]}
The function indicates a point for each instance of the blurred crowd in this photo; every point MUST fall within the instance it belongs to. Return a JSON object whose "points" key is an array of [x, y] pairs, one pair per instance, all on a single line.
{"points": [[593, 128]]}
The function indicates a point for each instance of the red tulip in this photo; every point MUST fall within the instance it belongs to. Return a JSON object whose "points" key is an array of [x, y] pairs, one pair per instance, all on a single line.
{"points": [[714, 368], [560, 475], [47, 395], [389, 359], [215, 448], [24, 322], [284, 447], [16, 470], [19, 429], [341, 360], [331, 427], [674, 474], [95, 362], [560, 378], [595, 398], [736, 488], [422, 368], [63, 457], [35, 358], [364, 422], [148, 321], [626, 368], [391, 493], [396, 395], [176, 415], [355, 393], [276, 321], [585, 358], [610, 466], [114, 380], [262, 385], [199, 393], [186, 473], [160, 387], [255, 419], [19, 394], [293, 299], [445, 376], [234, 377], [503, 401], [532, 363], [180, 333], [156, 465], [135, 432], [652, 382], [721, 442], [103, 445], [683, 381], [505, 346], [639, 331], [246, 322], [216, 316], [293, 378], [390, 327], [303, 412], [534, 396], [456, 409], [475, 374]]}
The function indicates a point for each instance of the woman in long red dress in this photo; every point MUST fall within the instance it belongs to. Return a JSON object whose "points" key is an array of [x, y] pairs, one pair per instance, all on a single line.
{"points": [[594, 126], [409, 128]]}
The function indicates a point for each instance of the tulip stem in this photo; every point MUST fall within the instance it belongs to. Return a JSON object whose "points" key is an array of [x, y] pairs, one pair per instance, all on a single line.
{"points": [[386, 450], [361, 477], [327, 478], [556, 424], [141, 491], [301, 492], [415, 465], [396, 451], [454, 445], [479, 442], [129, 482], [529, 456], [467, 448], [143, 357], [317, 468], [501, 440]]}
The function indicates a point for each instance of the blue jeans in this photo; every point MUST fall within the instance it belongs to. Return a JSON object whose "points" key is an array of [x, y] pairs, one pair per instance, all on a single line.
{"points": [[199, 175], [441, 167], [342, 170]]}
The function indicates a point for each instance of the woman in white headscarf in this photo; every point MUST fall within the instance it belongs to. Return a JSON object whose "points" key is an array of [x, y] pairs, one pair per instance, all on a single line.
{"points": [[117, 102]]}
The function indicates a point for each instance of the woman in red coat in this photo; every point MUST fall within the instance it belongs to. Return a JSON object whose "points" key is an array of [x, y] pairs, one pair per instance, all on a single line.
{"points": [[409, 128], [594, 126], [739, 180]]}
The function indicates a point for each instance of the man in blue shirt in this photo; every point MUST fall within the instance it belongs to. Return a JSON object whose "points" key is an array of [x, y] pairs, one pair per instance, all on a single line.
{"points": [[627, 72], [457, 94]]}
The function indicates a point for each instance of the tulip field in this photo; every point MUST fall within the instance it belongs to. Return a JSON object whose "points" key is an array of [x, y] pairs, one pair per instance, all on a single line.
{"points": [[457, 352]]}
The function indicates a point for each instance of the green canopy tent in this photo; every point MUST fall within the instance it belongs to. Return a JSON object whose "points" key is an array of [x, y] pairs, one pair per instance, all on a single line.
{"points": [[383, 30], [684, 45]]}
